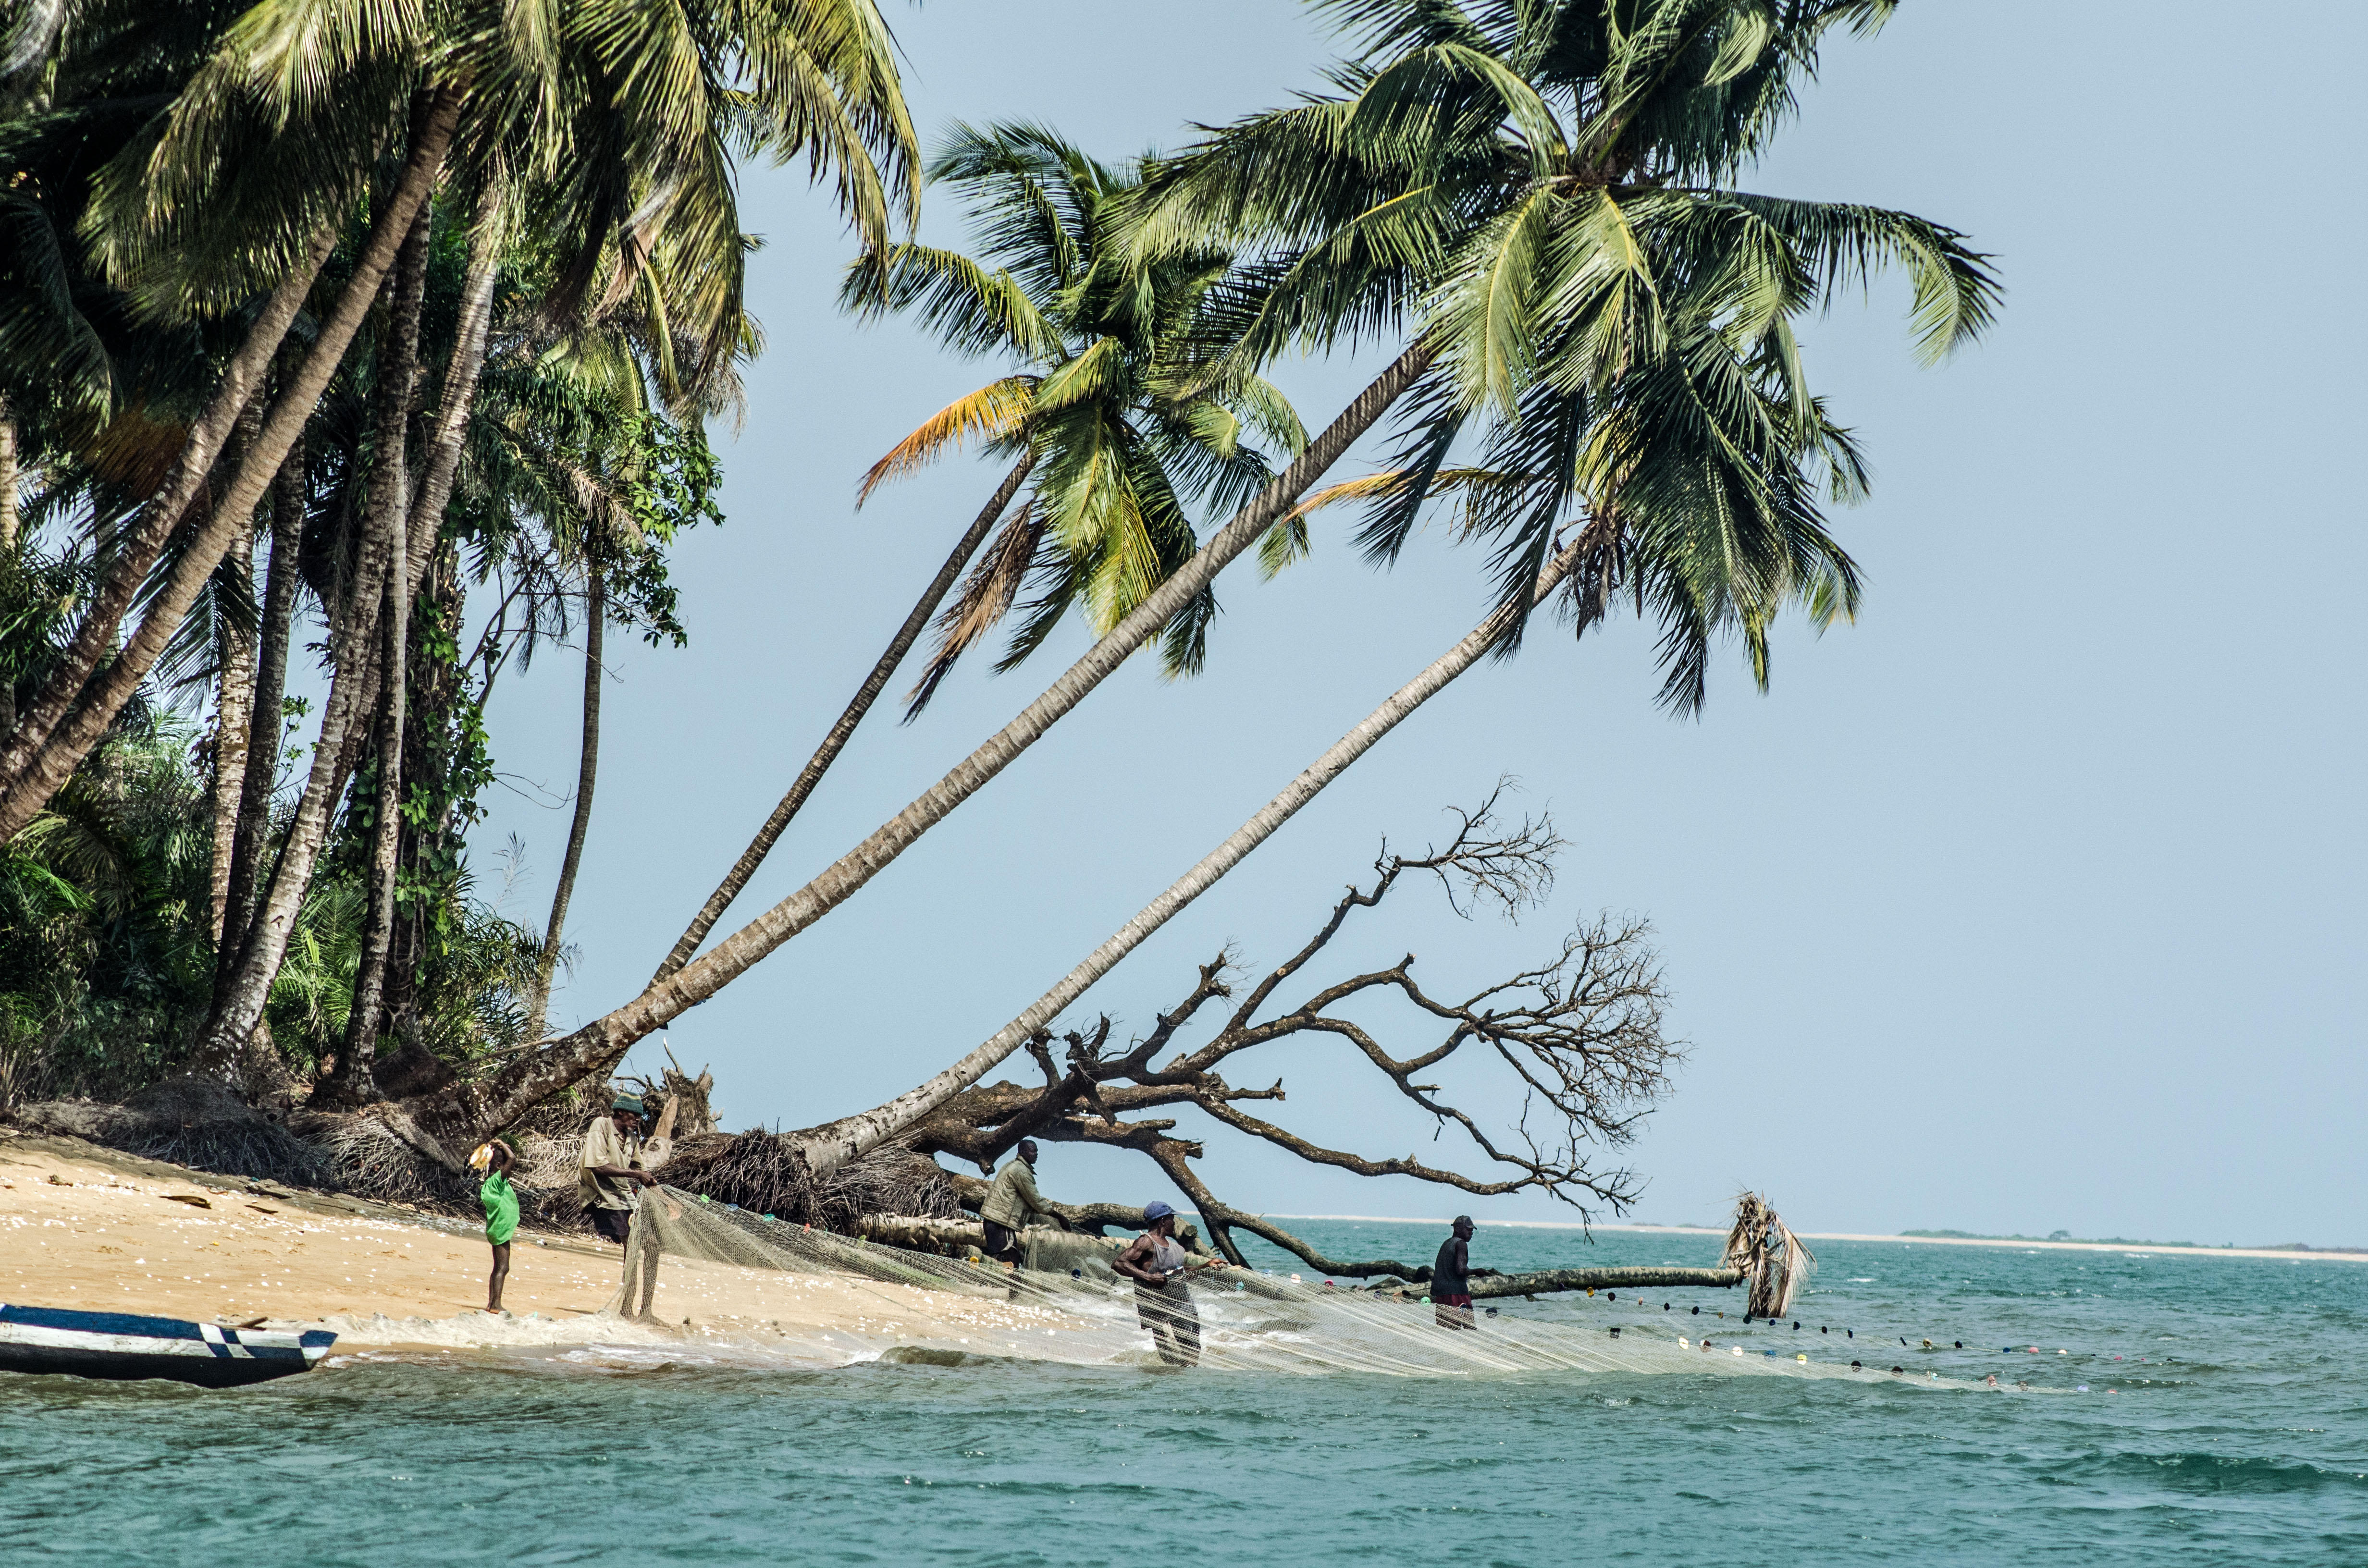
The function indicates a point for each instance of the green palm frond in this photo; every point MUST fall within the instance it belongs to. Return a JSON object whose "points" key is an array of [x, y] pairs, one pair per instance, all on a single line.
{"points": [[1542, 192], [969, 309], [1131, 402]]}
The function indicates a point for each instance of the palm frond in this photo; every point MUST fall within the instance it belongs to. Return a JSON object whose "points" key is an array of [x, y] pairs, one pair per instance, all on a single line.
{"points": [[995, 411]]}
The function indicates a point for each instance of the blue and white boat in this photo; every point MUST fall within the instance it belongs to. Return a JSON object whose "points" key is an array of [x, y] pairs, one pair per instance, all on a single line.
{"points": [[118, 1345]]}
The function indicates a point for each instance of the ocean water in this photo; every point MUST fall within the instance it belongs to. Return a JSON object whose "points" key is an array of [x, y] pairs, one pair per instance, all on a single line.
{"points": [[2237, 1431]]}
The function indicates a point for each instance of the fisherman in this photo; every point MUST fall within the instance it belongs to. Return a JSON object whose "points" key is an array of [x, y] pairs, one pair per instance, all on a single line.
{"points": [[1451, 1281], [610, 1169], [1156, 1262], [1010, 1203]]}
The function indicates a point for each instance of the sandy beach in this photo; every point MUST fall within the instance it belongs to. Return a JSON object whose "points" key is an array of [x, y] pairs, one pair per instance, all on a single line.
{"points": [[88, 1227]]}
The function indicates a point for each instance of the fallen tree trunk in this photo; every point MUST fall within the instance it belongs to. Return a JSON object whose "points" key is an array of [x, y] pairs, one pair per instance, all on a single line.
{"points": [[1553, 1279], [921, 1232], [1085, 1218]]}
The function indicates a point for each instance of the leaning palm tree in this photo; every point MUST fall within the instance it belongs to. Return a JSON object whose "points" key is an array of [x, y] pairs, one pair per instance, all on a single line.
{"points": [[1117, 423], [1695, 488], [1423, 197], [1113, 428], [580, 447]]}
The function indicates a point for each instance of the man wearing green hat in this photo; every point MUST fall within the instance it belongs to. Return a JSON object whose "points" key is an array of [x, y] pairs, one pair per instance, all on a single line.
{"points": [[610, 1168]]}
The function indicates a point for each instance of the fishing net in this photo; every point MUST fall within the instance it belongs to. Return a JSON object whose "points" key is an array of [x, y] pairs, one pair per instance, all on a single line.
{"points": [[736, 1276]]}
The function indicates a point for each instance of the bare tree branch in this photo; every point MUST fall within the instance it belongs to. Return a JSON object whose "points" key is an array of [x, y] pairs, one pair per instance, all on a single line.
{"points": [[1578, 1037]]}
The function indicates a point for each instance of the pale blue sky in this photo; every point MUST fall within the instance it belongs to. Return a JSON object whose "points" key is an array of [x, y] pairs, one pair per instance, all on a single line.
{"points": [[2032, 900]]}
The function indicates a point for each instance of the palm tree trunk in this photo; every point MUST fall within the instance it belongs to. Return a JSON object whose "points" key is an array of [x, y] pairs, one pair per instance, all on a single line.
{"points": [[9, 513], [391, 488], [827, 1148], [233, 731], [282, 582], [371, 596], [460, 396], [425, 853], [234, 688], [420, 529], [495, 1102], [9, 527], [386, 830], [588, 771], [383, 984], [840, 733], [79, 701], [238, 1005], [578, 830]]}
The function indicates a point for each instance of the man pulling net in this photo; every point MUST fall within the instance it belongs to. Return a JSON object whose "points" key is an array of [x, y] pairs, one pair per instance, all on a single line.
{"points": [[1010, 1203], [1163, 1302]]}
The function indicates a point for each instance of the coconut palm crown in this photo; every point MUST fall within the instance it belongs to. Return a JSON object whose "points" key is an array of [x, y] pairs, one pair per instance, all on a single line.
{"points": [[1544, 196], [1115, 411]]}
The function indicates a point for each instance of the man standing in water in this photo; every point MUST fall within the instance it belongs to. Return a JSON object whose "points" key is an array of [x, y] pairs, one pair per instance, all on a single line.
{"points": [[1010, 1203], [1451, 1279], [1162, 1304], [610, 1168]]}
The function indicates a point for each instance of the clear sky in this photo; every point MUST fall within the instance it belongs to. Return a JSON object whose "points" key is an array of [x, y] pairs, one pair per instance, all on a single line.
{"points": [[2033, 900]]}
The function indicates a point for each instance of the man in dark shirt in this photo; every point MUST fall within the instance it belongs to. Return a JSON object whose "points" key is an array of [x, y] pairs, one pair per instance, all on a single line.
{"points": [[1451, 1281]]}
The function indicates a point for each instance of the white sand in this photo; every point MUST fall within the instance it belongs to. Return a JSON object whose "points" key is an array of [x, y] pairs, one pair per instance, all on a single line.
{"points": [[85, 1227]]}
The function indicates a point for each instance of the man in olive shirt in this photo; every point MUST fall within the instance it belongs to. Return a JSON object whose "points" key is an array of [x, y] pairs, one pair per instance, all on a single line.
{"points": [[610, 1168], [1010, 1203]]}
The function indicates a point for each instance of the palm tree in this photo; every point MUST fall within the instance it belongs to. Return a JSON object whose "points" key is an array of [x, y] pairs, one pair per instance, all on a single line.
{"points": [[1109, 420], [619, 158], [611, 483], [1693, 486], [1423, 195], [593, 109]]}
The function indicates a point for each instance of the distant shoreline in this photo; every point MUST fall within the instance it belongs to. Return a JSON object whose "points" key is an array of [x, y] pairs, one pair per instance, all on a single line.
{"points": [[1903, 1240]]}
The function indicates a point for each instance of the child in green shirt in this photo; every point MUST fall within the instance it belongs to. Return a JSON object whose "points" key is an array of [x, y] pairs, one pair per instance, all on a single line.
{"points": [[501, 1202]]}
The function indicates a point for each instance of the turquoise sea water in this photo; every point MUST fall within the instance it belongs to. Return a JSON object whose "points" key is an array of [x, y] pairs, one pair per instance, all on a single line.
{"points": [[2239, 1432]]}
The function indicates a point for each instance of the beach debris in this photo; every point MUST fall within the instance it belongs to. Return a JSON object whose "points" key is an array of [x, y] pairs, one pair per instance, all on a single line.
{"points": [[191, 1199]]}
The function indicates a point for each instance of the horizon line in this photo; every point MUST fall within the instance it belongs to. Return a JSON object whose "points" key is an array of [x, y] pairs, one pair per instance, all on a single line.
{"points": [[2188, 1251]]}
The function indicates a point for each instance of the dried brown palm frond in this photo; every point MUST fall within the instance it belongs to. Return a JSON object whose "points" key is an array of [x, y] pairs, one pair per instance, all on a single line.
{"points": [[765, 1174], [987, 596], [187, 1121], [1774, 1261], [367, 1159]]}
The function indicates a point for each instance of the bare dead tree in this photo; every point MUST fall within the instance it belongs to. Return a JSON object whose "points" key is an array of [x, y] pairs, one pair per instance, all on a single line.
{"points": [[1579, 1036]]}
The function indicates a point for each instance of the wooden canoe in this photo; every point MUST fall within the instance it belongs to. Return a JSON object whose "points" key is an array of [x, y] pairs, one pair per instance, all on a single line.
{"points": [[118, 1345]]}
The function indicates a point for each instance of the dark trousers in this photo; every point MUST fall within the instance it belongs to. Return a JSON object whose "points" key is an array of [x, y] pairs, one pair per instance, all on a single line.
{"points": [[1174, 1322], [1002, 1244]]}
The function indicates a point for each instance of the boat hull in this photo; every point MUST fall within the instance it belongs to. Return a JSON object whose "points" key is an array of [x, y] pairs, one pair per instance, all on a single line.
{"points": [[122, 1347]]}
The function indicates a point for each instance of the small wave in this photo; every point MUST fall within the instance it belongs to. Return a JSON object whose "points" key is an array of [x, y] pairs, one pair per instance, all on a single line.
{"points": [[2192, 1472]]}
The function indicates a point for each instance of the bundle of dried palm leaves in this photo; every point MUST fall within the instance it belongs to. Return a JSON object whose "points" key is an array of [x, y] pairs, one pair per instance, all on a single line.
{"points": [[765, 1173], [1772, 1258], [187, 1121], [369, 1159]]}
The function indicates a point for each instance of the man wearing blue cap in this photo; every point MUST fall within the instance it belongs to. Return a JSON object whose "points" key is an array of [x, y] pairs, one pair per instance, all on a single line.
{"points": [[610, 1168], [1157, 1263]]}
